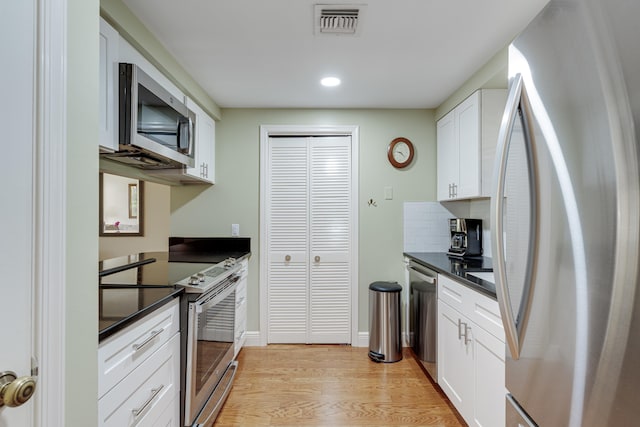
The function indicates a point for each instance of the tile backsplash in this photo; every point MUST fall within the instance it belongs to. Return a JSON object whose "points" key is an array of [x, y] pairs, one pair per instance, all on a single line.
{"points": [[426, 228]]}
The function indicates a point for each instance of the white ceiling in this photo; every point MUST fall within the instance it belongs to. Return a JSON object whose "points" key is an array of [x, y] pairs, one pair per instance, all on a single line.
{"points": [[264, 53]]}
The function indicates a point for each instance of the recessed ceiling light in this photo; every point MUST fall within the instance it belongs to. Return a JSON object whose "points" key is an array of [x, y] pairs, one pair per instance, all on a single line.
{"points": [[330, 81]]}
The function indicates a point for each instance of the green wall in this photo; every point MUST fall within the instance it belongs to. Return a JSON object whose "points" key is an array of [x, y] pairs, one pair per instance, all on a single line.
{"points": [[492, 75], [81, 320], [235, 198]]}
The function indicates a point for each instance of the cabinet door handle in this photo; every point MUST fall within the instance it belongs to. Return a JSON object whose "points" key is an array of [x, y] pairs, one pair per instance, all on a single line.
{"points": [[460, 323], [138, 347], [139, 411], [467, 340]]}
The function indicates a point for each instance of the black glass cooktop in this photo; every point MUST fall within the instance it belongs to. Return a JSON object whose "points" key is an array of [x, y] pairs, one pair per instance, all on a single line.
{"points": [[157, 271]]}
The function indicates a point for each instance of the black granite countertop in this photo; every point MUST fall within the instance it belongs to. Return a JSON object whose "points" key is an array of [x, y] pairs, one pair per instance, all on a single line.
{"points": [[119, 306], [208, 249], [115, 265], [126, 295], [457, 269]]}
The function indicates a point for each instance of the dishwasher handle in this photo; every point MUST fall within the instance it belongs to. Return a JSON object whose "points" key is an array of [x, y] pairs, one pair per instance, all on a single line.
{"points": [[429, 279]]}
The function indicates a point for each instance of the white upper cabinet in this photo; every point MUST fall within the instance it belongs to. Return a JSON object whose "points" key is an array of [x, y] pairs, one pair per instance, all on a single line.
{"points": [[108, 87], [467, 138]]}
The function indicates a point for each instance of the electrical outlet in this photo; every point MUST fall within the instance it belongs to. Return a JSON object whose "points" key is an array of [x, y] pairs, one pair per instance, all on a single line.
{"points": [[235, 230]]}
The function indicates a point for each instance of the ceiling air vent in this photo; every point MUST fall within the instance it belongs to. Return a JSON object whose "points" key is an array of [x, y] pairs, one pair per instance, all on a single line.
{"points": [[338, 19]]}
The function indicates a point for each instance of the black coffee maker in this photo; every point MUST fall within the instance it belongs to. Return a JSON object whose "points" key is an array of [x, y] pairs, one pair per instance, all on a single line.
{"points": [[466, 237]]}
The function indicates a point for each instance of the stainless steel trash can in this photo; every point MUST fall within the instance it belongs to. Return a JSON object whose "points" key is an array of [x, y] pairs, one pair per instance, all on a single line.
{"points": [[385, 338]]}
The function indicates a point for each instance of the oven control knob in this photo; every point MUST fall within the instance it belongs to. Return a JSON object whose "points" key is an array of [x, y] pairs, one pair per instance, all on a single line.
{"points": [[193, 280], [200, 277]]}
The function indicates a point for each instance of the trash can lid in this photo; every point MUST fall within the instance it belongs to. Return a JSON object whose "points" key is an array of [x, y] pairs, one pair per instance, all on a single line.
{"points": [[385, 287]]}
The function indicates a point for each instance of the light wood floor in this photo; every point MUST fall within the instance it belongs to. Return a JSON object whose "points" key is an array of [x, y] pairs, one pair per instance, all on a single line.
{"points": [[331, 385]]}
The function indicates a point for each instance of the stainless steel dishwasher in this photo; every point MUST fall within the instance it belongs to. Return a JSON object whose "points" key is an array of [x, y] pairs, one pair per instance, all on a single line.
{"points": [[423, 316]]}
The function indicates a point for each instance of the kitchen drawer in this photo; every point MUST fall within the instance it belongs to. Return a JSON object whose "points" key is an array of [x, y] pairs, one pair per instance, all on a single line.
{"points": [[170, 417], [479, 308], [452, 292], [117, 356], [155, 383], [485, 312]]}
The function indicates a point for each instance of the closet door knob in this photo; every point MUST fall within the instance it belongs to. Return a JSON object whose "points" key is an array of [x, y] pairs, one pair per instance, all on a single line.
{"points": [[317, 258], [287, 258]]}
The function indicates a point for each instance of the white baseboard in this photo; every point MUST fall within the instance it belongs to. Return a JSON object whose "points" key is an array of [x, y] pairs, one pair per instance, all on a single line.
{"points": [[362, 340], [254, 339]]}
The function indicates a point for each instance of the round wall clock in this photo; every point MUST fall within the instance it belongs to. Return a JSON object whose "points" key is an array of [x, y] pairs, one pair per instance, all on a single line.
{"points": [[400, 152]]}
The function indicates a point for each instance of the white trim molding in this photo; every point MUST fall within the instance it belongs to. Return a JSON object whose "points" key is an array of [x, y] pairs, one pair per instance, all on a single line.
{"points": [[50, 206], [267, 131], [363, 340], [253, 339]]}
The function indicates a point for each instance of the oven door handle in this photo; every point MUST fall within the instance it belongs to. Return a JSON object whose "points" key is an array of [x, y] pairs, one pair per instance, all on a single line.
{"points": [[208, 302]]}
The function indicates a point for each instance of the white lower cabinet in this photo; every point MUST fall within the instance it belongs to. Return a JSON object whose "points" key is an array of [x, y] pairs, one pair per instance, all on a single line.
{"points": [[142, 387], [470, 358]]}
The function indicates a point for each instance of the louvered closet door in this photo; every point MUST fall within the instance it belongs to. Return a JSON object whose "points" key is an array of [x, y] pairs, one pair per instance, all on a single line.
{"points": [[309, 240], [288, 240], [330, 214]]}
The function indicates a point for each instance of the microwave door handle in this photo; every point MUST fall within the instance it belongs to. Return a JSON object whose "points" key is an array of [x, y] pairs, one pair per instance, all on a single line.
{"points": [[183, 135], [190, 136]]}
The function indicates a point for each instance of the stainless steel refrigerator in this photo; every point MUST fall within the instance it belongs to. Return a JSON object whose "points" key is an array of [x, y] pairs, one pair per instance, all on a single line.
{"points": [[565, 217]]}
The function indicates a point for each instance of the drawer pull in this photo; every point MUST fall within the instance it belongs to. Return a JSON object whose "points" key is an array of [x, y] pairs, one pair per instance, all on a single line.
{"points": [[154, 393], [138, 347]]}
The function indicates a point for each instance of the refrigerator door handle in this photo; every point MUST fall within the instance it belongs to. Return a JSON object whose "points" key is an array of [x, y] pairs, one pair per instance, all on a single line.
{"points": [[517, 103]]}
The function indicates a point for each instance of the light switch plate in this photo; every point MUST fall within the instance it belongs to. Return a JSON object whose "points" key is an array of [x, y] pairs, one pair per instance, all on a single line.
{"points": [[388, 193], [235, 230]]}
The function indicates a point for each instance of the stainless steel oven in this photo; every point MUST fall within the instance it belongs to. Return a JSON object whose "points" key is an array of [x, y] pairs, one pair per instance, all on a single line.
{"points": [[209, 364]]}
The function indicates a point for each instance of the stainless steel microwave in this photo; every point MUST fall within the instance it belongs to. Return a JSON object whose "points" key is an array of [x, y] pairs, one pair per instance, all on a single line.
{"points": [[156, 129]]}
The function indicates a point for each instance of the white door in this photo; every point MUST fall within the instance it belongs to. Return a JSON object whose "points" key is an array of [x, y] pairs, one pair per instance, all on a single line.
{"points": [[448, 154], [309, 235], [468, 138], [17, 214], [455, 367], [330, 240]]}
